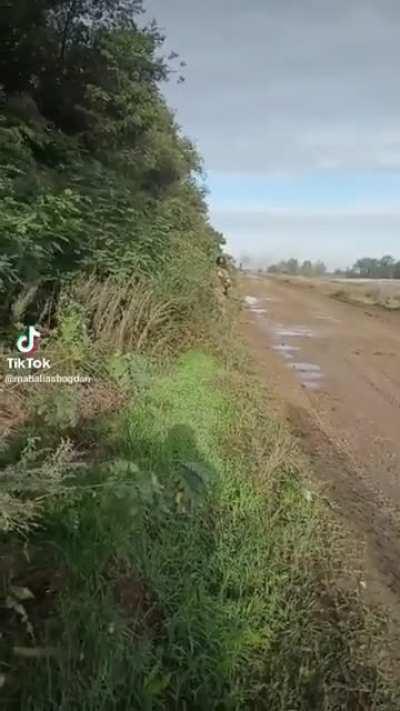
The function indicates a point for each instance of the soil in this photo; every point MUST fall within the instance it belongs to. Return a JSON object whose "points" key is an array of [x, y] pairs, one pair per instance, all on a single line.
{"points": [[335, 370]]}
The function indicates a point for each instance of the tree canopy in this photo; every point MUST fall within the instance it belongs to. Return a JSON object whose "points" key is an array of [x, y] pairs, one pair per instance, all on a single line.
{"points": [[371, 268], [95, 173], [294, 268]]}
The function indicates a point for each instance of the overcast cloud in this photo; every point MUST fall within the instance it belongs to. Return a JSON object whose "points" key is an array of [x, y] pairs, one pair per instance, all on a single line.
{"points": [[289, 89]]}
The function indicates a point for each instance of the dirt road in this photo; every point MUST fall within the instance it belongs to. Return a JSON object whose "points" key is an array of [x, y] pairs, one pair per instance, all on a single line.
{"points": [[336, 368]]}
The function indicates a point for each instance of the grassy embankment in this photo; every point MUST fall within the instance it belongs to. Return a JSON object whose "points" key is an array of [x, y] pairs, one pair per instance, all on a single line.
{"points": [[185, 565]]}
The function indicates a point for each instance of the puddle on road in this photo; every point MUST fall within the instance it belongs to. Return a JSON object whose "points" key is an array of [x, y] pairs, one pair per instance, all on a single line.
{"points": [[310, 368], [296, 332], [254, 304], [251, 300], [309, 374], [286, 350]]}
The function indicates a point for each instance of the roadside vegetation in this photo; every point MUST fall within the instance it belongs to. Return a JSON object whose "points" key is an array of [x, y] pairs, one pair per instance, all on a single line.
{"points": [[180, 559], [161, 546]]}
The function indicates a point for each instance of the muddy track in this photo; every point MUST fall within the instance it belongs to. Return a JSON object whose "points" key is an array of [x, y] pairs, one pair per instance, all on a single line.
{"points": [[336, 373]]}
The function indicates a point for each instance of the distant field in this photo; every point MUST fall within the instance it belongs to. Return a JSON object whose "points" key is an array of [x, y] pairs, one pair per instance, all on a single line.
{"points": [[386, 286], [371, 292], [382, 292]]}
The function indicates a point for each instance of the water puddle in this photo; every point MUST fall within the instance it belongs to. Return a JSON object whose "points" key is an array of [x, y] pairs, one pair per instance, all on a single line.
{"points": [[286, 350], [310, 369], [309, 374], [254, 304], [251, 300], [297, 332]]}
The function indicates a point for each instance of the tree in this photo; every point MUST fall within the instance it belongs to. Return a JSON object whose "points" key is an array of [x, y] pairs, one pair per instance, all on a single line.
{"points": [[384, 268], [96, 174], [292, 266], [367, 268], [307, 268], [387, 265]]}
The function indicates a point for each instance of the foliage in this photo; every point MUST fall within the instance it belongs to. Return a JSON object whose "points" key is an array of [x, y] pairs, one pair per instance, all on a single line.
{"points": [[370, 268], [292, 267], [95, 174], [25, 485], [196, 574]]}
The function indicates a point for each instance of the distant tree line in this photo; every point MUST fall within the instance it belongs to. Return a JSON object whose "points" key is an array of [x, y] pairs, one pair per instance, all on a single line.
{"points": [[295, 268], [369, 268], [365, 268]]}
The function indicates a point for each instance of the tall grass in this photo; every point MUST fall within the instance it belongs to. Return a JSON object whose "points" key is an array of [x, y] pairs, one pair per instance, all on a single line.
{"points": [[197, 574], [127, 316]]}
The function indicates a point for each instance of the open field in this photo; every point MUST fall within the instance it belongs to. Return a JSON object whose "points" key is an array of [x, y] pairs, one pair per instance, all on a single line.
{"points": [[370, 292], [381, 292]]}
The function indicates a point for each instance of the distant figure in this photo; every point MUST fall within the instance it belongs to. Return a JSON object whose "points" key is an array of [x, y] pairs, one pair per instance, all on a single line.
{"points": [[223, 275]]}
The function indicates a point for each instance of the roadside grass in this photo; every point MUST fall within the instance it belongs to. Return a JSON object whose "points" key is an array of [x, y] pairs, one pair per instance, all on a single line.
{"points": [[197, 569]]}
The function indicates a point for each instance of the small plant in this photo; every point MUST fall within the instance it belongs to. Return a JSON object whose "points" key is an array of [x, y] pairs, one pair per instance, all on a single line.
{"points": [[38, 476], [73, 341], [58, 408]]}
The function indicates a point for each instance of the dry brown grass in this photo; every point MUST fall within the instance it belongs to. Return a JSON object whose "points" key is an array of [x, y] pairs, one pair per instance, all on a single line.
{"points": [[127, 316], [13, 412]]}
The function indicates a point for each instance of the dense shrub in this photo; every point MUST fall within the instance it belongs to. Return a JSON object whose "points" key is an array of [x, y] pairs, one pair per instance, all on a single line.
{"points": [[95, 175]]}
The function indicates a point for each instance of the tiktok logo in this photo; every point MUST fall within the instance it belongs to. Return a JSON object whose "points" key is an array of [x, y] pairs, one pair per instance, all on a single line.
{"points": [[29, 343]]}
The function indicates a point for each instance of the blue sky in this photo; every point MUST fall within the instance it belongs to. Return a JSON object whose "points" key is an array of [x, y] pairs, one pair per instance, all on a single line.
{"points": [[314, 190], [294, 105], [337, 217], [334, 216]]}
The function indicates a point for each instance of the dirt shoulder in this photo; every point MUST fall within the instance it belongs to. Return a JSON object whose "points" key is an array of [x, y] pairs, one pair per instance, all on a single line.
{"points": [[335, 371]]}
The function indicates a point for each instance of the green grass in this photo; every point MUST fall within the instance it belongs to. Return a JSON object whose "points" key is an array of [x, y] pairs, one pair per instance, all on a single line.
{"points": [[195, 569]]}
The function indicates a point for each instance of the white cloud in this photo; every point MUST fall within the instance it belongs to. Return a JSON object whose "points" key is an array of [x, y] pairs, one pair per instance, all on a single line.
{"points": [[287, 87]]}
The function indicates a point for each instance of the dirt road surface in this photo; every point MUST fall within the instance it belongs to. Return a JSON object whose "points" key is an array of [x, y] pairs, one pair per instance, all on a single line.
{"points": [[336, 369]]}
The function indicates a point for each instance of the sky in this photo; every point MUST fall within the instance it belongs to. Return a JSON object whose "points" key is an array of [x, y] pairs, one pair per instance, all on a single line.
{"points": [[295, 107]]}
